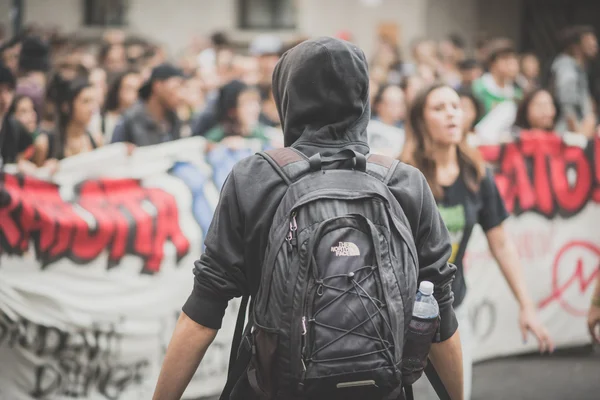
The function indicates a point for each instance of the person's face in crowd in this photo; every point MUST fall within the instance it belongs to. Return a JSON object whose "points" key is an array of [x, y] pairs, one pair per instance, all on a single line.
{"points": [[392, 107], [7, 95], [530, 66], [450, 53], [506, 66], [427, 73], [192, 93], [413, 85], [210, 79], [379, 74], [128, 92], [169, 92], [471, 75], [135, 52], [84, 106], [541, 111], [25, 114], [88, 61], [469, 110], [248, 108], [589, 46], [425, 52], [266, 66], [249, 70], [10, 58], [68, 68], [115, 58], [385, 55], [98, 80], [443, 117]]}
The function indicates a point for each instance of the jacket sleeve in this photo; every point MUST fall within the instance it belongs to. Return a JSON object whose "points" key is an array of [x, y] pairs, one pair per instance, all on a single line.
{"points": [[219, 275], [119, 134], [434, 250], [567, 92]]}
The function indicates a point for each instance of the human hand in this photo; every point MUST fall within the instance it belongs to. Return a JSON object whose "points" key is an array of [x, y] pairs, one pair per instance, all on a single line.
{"points": [[52, 165], [529, 322]]}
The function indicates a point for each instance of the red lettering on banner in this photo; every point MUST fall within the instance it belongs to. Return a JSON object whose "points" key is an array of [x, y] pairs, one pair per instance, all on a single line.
{"points": [[540, 173], [571, 199], [515, 181], [577, 276], [539, 151], [118, 216]]}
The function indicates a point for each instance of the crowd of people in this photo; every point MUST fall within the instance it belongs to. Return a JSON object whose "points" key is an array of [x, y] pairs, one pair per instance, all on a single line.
{"points": [[63, 96]]}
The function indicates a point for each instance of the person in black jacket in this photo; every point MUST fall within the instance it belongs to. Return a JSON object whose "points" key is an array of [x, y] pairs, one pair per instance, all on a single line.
{"points": [[153, 119], [321, 88]]}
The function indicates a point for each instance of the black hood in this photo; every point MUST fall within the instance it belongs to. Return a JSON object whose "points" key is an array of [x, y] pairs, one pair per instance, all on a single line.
{"points": [[321, 88]]}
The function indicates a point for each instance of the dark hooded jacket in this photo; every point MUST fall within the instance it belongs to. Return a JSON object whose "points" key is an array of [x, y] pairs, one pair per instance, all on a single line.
{"points": [[321, 88]]}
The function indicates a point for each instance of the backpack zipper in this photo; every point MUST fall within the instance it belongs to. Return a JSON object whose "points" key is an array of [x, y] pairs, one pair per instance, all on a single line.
{"points": [[291, 237]]}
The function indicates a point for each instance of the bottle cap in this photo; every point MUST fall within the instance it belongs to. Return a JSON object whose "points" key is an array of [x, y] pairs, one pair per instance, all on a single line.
{"points": [[426, 288]]}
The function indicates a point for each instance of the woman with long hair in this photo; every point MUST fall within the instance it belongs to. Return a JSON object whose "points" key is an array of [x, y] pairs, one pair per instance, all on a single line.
{"points": [[23, 110], [238, 113], [466, 195], [122, 94], [75, 107], [537, 111]]}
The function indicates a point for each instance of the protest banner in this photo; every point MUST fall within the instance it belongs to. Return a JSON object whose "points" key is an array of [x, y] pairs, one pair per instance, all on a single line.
{"points": [[553, 193], [96, 263]]}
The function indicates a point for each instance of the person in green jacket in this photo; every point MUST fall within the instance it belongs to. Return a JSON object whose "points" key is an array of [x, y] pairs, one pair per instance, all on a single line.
{"points": [[498, 85], [238, 112]]}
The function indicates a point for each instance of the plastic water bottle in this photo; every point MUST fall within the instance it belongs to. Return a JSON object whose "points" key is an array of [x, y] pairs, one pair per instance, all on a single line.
{"points": [[425, 305]]}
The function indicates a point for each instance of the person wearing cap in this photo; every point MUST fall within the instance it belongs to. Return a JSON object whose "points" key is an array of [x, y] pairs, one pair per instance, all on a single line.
{"points": [[498, 85], [153, 119], [15, 141]]}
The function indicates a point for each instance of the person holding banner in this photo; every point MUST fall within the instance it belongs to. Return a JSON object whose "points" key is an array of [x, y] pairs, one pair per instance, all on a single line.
{"points": [[594, 314], [466, 194]]}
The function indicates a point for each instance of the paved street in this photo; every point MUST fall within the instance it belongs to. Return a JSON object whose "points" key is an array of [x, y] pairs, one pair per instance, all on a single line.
{"points": [[567, 375]]}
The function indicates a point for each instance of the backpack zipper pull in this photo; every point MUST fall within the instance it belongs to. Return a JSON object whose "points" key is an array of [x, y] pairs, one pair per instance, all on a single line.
{"points": [[303, 350], [291, 238]]}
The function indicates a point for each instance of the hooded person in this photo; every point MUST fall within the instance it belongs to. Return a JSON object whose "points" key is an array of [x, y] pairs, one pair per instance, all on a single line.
{"points": [[321, 88]]}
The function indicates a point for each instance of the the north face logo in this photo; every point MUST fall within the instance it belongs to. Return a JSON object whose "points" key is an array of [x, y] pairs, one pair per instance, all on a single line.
{"points": [[346, 249]]}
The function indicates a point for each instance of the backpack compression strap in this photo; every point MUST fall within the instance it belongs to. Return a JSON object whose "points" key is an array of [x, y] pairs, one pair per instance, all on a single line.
{"points": [[381, 167], [291, 164]]}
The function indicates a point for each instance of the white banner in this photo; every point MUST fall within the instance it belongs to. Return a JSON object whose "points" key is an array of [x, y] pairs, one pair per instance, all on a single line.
{"points": [[553, 191], [96, 264]]}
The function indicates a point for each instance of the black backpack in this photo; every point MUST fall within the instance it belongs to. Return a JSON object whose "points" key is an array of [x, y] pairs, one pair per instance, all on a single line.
{"points": [[333, 312]]}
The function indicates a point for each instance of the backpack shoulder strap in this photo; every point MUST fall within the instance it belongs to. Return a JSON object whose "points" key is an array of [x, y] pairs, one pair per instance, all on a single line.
{"points": [[381, 167], [289, 163]]}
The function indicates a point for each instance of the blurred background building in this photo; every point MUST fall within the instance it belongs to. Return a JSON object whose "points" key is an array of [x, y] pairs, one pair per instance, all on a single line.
{"points": [[173, 23]]}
